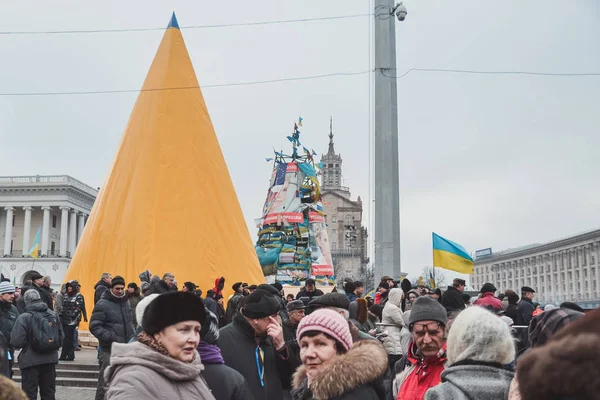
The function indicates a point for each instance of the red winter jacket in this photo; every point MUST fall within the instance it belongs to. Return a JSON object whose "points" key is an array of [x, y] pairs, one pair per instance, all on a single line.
{"points": [[420, 374], [488, 300]]}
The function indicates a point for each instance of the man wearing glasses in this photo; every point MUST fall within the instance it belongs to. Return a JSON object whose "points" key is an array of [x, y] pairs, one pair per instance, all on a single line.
{"points": [[422, 367], [111, 322]]}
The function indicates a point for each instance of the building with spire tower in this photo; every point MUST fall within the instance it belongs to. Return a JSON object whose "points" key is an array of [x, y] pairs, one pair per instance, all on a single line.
{"points": [[347, 236]]}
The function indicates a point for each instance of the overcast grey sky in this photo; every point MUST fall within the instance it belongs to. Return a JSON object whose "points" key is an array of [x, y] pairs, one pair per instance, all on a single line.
{"points": [[486, 160]]}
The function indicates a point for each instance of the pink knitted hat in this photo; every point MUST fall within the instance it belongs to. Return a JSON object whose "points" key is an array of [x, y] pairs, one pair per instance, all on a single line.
{"points": [[329, 322]]}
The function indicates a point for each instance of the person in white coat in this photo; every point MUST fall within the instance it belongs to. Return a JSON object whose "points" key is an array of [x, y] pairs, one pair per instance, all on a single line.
{"points": [[393, 325]]}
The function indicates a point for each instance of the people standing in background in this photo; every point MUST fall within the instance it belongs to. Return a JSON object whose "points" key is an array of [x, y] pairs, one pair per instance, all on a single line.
{"points": [[111, 322], [211, 303], [234, 301], [8, 317], [310, 290], [512, 305], [134, 295], [72, 308], [37, 284], [77, 289], [39, 334], [452, 299], [525, 308], [164, 285], [102, 286], [46, 287], [221, 310]]}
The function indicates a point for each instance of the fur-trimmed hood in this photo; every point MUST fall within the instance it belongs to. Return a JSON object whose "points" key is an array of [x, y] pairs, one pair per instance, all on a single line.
{"points": [[363, 364], [567, 366]]}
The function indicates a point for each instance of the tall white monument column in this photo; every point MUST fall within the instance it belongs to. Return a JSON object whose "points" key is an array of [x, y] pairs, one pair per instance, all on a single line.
{"points": [[8, 232], [64, 230], [27, 230], [45, 230], [73, 232], [81, 226]]}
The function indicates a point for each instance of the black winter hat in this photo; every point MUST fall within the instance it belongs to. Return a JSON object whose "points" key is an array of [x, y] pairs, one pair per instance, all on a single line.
{"points": [[269, 288], [117, 280], [260, 304], [133, 285], [338, 300], [191, 286], [349, 287], [236, 286], [277, 286], [527, 289], [171, 308], [405, 285], [488, 288]]}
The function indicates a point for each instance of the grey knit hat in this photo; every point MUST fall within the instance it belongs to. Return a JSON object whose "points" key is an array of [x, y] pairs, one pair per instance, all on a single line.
{"points": [[426, 308], [31, 295]]}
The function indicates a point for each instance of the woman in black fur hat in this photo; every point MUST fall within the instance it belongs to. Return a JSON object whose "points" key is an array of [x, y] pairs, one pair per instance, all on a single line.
{"points": [[164, 362]]}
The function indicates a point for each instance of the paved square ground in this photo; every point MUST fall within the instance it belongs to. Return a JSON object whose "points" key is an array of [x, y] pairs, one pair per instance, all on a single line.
{"points": [[73, 393]]}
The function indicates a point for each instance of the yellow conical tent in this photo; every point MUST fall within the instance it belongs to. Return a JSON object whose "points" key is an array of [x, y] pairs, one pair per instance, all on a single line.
{"points": [[168, 204]]}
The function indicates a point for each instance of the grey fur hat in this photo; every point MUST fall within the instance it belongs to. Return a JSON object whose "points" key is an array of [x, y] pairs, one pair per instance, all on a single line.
{"points": [[31, 295]]}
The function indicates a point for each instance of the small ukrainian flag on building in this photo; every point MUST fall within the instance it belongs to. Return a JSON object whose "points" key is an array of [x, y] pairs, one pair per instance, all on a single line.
{"points": [[450, 255], [35, 248]]}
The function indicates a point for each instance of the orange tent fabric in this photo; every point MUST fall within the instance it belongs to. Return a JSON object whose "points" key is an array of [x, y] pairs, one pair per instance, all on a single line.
{"points": [[168, 204]]}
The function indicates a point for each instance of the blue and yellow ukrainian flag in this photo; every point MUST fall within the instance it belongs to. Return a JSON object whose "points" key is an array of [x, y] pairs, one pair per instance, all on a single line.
{"points": [[450, 255], [35, 247]]}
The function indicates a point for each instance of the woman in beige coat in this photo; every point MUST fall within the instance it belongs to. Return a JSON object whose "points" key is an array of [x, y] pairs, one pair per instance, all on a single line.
{"points": [[163, 364]]}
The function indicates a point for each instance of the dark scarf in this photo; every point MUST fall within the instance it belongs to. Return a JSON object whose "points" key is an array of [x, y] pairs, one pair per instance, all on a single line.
{"points": [[210, 353], [5, 305]]}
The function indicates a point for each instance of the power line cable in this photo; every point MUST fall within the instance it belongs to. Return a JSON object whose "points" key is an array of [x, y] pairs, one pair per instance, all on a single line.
{"points": [[302, 78], [464, 71], [241, 24], [296, 78]]}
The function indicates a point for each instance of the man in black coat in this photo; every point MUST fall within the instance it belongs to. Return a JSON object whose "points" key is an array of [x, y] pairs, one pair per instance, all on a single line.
{"points": [[8, 317], [102, 286], [309, 290], [290, 326], [211, 304], [111, 322], [525, 308], [37, 283], [165, 285], [234, 301], [253, 344], [452, 299]]}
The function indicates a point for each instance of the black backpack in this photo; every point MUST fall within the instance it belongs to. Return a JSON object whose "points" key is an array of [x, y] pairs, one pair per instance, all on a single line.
{"points": [[44, 336]]}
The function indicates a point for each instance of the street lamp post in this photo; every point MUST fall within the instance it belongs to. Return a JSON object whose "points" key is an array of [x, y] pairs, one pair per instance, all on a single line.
{"points": [[387, 180]]}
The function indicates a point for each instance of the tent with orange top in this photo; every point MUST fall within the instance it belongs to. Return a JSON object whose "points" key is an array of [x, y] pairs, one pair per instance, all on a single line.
{"points": [[168, 204]]}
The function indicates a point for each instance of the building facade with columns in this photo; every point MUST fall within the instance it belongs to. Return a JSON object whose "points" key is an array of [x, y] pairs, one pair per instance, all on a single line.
{"points": [[562, 270], [347, 236], [57, 206]]}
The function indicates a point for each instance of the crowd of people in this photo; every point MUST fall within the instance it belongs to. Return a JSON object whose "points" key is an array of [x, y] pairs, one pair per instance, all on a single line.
{"points": [[406, 342]]}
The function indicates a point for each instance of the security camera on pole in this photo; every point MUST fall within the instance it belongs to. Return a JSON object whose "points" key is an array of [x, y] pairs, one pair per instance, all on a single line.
{"points": [[387, 190]]}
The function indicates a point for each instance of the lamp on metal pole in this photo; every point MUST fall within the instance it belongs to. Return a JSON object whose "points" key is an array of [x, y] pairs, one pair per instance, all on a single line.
{"points": [[387, 185]]}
